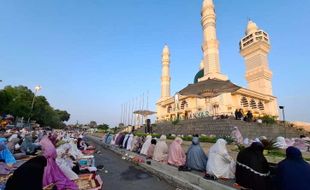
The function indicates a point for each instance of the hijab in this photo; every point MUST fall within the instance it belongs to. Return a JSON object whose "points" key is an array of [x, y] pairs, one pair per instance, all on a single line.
{"points": [[27, 146], [293, 173], [28, 176], [236, 135], [220, 163], [146, 145], [196, 158], [129, 141], [161, 150], [252, 169], [176, 155], [52, 173]]}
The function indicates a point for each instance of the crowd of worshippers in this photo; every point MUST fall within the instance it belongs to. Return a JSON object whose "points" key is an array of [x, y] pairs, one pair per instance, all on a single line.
{"points": [[250, 170], [38, 158]]}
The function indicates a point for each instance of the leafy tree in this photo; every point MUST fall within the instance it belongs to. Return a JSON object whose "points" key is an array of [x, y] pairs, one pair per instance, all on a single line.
{"points": [[63, 115], [17, 101], [103, 126]]}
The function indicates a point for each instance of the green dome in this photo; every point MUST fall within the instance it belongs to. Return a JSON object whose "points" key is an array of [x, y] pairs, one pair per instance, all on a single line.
{"points": [[199, 75]]}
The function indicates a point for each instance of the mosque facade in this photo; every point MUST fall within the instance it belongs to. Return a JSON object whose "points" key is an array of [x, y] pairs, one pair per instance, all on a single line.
{"points": [[212, 93]]}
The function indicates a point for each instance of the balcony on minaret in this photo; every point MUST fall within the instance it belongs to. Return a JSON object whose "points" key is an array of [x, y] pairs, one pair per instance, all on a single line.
{"points": [[257, 36]]}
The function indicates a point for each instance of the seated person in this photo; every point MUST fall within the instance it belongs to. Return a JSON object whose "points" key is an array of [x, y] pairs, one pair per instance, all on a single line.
{"points": [[220, 164], [150, 151], [146, 145], [65, 161], [176, 155], [52, 172], [196, 158], [293, 173], [252, 169], [27, 146], [28, 176], [161, 150], [5, 153]]}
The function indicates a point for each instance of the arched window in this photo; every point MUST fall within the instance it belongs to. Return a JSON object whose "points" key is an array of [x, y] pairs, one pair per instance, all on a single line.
{"points": [[169, 109], [261, 105], [244, 102], [253, 104], [184, 104]]}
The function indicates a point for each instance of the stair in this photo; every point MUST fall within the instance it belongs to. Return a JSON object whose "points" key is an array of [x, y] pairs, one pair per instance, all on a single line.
{"points": [[224, 127]]}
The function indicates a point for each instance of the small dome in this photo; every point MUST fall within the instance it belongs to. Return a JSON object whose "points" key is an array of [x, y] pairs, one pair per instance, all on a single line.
{"points": [[251, 28], [199, 75], [166, 49]]}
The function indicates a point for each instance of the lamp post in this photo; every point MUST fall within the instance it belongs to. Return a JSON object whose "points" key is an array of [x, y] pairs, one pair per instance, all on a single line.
{"points": [[36, 90], [283, 117]]}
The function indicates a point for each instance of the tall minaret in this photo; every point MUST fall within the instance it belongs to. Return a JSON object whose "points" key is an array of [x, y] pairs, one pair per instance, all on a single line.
{"points": [[165, 76], [210, 46], [254, 47]]}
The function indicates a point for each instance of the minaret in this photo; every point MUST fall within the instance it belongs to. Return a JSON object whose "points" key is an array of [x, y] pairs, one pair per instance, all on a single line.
{"points": [[210, 46], [254, 47], [165, 76]]}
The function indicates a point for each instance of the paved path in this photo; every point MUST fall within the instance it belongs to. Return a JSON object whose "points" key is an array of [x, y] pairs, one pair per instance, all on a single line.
{"points": [[122, 175]]}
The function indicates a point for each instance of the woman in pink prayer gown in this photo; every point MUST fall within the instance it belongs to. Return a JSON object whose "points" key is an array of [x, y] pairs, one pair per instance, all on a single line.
{"points": [[176, 155], [52, 173]]}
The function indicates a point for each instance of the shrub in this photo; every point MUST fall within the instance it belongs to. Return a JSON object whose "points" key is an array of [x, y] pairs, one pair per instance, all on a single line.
{"points": [[268, 119], [207, 139], [175, 122]]}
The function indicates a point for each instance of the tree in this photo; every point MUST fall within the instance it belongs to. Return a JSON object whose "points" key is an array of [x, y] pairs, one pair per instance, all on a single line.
{"points": [[103, 126], [17, 101], [63, 115]]}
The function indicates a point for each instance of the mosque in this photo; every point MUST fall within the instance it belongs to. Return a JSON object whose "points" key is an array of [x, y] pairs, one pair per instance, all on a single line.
{"points": [[212, 93]]}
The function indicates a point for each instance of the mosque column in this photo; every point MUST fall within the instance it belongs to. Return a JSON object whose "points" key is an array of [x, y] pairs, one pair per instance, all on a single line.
{"points": [[210, 45], [165, 77]]}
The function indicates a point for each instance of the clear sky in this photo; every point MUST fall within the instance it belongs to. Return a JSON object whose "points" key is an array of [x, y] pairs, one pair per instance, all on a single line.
{"points": [[91, 56]]}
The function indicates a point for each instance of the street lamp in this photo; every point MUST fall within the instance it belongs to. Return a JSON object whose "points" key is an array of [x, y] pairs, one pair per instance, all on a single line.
{"points": [[283, 117], [36, 90]]}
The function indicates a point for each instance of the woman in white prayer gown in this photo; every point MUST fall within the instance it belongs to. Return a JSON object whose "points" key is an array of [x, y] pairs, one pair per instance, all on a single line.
{"points": [[64, 162], [146, 145], [220, 164], [281, 143], [129, 142], [161, 150]]}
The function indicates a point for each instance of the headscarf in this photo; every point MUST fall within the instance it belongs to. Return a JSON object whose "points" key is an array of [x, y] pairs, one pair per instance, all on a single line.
{"points": [[150, 151], [109, 139], [293, 173], [129, 142], [236, 135], [28, 176], [281, 143], [138, 145], [65, 163], [133, 142], [176, 155], [114, 139], [146, 145], [220, 163], [125, 141], [27, 146], [161, 150], [5, 153], [300, 144], [252, 169], [52, 173], [196, 158]]}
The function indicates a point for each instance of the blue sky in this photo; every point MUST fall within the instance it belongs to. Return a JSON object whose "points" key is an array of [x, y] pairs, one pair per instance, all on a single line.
{"points": [[91, 56]]}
